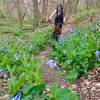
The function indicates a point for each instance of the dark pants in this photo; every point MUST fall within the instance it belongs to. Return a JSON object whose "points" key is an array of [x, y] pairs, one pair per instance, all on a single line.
{"points": [[57, 30]]}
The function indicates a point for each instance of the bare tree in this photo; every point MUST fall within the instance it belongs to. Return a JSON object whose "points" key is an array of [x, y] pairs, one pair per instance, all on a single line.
{"points": [[72, 6], [46, 8], [88, 4], [75, 4], [21, 15], [64, 3], [36, 12]]}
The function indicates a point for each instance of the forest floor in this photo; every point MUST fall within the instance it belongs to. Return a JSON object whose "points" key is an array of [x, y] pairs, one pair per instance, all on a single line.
{"points": [[86, 87], [50, 75]]}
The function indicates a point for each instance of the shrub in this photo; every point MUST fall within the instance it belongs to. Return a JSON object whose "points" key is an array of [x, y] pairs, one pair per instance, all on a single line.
{"points": [[84, 15], [76, 54]]}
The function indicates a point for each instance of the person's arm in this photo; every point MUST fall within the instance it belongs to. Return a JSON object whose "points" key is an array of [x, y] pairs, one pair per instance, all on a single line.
{"points": [[64, 20], [52, 15]]}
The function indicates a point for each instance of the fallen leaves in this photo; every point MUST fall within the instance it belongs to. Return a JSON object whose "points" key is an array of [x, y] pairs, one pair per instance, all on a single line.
{"points": [[88, 87]]}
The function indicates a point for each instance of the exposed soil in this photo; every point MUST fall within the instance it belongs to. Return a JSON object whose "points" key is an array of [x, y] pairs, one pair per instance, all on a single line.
{"points": [[88, 86], [3, 89], [43, 55], [50, 75]]}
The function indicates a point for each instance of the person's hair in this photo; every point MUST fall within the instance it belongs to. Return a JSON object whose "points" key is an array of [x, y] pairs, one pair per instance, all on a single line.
{"points": [[61, 7]]}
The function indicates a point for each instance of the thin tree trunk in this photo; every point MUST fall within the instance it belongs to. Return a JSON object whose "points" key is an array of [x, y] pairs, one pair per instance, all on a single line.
{"points": [[43, 11], [46, 5], [69, 7], [20, 16], [36, 12], [88, 4], [64, 3], [75, 4]]}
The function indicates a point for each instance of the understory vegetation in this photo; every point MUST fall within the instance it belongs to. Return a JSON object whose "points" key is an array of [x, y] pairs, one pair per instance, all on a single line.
{"points": [[34, 66], [76, 52], [87, 15], [23, 70]]}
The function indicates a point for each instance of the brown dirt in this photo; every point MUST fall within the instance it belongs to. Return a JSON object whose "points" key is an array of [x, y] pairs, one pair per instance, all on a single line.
{"points": [[88, 87], [3, 89], [66, 28], [50, 75], [43, 54]]}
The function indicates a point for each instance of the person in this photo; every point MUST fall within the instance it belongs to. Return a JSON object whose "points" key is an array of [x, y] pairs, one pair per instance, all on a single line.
{"points": [[58, 15]]}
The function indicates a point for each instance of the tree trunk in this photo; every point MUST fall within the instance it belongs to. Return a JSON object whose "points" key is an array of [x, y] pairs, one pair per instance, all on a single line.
{"points": [[64, 3], [20, 16], [36, 12], [44, 10], [46, 5], [75, 4], [72, 6], [88, 4], [69, 7]]}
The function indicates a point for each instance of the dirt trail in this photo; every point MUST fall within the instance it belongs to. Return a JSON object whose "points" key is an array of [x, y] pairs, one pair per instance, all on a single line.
{"points": [[43, 54], [66, 28], [51, 75], [86, 87]]}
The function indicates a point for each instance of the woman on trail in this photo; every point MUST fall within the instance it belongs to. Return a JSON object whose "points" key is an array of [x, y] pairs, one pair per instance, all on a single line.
{"points": [[58, 21]]}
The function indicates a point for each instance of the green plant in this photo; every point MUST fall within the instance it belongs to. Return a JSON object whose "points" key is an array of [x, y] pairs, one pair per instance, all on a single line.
{"points": [[61, 94], [76, 54], [39, 41], [85, 15], [24, 74]]}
